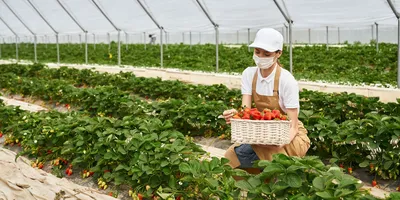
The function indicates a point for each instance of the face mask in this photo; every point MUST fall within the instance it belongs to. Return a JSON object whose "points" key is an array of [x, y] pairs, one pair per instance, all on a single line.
{"points": [[264, 63]]}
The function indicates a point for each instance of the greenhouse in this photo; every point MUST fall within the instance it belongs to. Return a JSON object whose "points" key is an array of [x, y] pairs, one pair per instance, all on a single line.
{"points": [[199, 99]]}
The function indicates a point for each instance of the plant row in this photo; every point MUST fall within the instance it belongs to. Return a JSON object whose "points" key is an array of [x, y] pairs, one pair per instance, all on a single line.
{"points": [[346, 141], [350, 64], [156, 161]]}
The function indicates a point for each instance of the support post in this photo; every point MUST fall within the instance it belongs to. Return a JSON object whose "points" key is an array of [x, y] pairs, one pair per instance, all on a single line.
{"points": [[377, 36], [290, 22], [309, 36], [126, 41], [327, 37], [86, 48], [119, 47], [190, 39], [237, 37], [216, 35], [248, 39], [144, 39], [159, 27], [161, 47], [338, 30], [58, 49], [34, 47], [398, 39], [200, 37], [94, 41]]}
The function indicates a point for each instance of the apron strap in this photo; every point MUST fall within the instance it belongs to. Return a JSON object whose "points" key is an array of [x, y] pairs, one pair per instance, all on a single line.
{"points": [[253, 86], [276, 80]]}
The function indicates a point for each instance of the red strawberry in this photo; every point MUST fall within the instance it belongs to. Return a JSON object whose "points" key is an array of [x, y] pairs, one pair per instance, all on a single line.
{"points": [[374, 183], [276, 113], [350, 170], [91, 173], [267, 116], [283, 117], [110, 194], [255, 114], [40, 165], [70, 172], [140, 196], [341, 165], [246, 116], [106, 171], [1, 134]]}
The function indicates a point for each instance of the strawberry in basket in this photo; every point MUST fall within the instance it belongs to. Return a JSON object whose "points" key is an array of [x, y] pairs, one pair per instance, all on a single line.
{"points": [[254, 114]]}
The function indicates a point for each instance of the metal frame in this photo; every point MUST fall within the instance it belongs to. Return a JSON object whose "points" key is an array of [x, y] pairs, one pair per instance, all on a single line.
{"points": [[126, 41], [94, 41], [290, 22], [216, 34], [398, 40], [377, 37], [309, 36], [338, 30], [116, 28], [81, 27], [161, 32], [16, 37], [248, 39], [44, 19], [26, 26], [144, 40], [327, 37]]}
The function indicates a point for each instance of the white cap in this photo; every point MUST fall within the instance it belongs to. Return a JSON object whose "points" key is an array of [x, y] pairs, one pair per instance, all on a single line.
{"points": [[268, 39]]}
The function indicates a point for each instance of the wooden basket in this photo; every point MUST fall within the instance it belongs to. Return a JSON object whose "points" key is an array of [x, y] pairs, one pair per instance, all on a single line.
{"points": [[269, 132]]}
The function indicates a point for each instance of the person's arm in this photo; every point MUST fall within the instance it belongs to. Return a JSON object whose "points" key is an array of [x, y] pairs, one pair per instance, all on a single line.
{"points": [[294, 125], [246, 101]]}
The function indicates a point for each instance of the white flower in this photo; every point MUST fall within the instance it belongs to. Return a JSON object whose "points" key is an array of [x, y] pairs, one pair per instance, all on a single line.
{"points": [[180, 183], [162, 145], [35, 141]]}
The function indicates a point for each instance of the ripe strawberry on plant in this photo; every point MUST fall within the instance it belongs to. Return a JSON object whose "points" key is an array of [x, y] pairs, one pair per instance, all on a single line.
{"points": [[40, 165], [374, 183], [350, 170], [1, 134], [341, 165]]}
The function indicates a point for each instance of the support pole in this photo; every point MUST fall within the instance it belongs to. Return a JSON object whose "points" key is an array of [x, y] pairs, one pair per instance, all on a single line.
{"points": [[248, 39], [286, 37], [338, 32], [377, 37], [34, 47], [16, 47], [45, 40], [161, 48], [159, 27], [200, 37], [16, 36], [44, 19], [190, 39], [327, 37], [58, 49], [372, 32], [23, 23], [80, 41], [109, 42], [144, 39], [86, 48], [237, 37], [216, 35], [290, 22], [94, 41], [398, 39], [309, 36], [183, 37], [119, 47], [126, 41]]}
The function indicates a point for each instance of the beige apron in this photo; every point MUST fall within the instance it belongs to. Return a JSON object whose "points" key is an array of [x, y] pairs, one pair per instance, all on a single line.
{"points": [[298, 146]]}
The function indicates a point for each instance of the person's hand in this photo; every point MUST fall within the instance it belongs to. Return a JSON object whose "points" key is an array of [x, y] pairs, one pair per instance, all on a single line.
{"points": [[228, 114]]}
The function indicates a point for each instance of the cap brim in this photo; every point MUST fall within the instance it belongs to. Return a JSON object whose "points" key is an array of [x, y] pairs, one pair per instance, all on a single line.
{"points": [[266, 48]]}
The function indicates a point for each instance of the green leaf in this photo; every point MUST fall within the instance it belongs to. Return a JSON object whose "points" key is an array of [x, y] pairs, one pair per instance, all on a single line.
{"points": [[121, 150], [278, 186], [274, 168], [254, 182], [387, 164], [324, 195], [172, 182], [294, 168], [212, 182], [185, 168], [266, 189], [164, 163], [364, 164], [342, 192], [294, 180], [244, 185], [79, 143], [122, 166], [108, 155], [319, 183]]}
